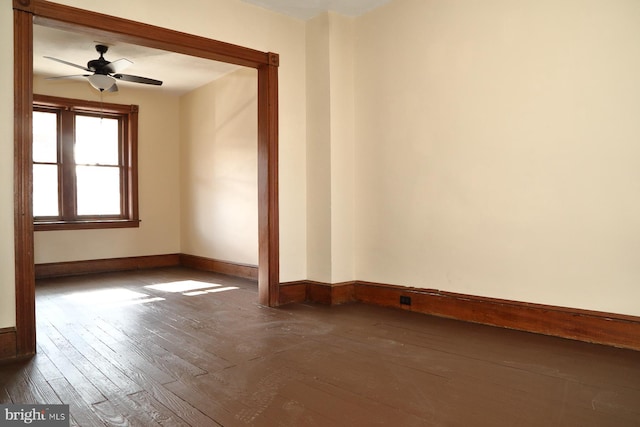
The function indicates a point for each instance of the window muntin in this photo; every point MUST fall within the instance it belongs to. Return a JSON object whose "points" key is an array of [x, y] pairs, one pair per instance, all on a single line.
{"points": [[84, 169]]}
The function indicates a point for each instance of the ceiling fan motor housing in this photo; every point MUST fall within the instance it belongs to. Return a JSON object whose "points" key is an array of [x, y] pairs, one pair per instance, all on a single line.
{"points": [[100, 65]]}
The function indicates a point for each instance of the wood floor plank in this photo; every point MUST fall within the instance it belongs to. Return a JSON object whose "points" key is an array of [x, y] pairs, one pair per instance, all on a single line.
{"points": [[128, 355], [183, 408], [287, 411], [223, 344], [116, 400], [27, 385], [180, 345], [228, 341], [451, 365], [411, 391], [81, 411], [526, 351], [147, 404], [313, 402], [203, 402], [35, 380], [46, 367], [156, 331], [4, 394], [124, 409], [111, 415], [157, 355], [120, 361], [101, 382], [101, 363], [20, 392], [140, 378]]}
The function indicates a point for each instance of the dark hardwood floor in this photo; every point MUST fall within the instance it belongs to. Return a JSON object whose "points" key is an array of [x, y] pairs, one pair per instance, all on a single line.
{"points": [[181, 347]]}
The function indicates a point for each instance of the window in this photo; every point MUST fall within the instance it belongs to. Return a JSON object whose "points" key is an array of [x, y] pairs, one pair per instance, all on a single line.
{"points": [[84, 164]]}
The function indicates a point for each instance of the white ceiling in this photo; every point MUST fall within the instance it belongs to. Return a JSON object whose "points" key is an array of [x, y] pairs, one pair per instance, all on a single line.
{"points": [[305, 9], [180, 73]]}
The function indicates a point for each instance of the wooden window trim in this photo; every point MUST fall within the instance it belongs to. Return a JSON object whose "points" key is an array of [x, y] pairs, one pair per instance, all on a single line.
{"points": [[129, 160]]}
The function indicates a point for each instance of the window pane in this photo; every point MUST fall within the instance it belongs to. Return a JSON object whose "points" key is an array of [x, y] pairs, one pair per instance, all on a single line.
{"points": [[45, 190], [98, 190], [45, 137], [96, 141]]}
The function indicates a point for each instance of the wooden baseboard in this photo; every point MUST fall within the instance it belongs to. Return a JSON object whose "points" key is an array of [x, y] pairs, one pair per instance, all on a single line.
{"points": [[8, 348], [317, 292], [332, 294], [73, 268], [58, 269], [293, 292], [223, 267], [611, 329]]}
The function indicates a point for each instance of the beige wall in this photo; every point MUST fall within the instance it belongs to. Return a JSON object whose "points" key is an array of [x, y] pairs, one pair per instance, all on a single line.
{"points": [[497, 149], [318, 149], [7, 272], [219, 169], [341, 43], [158, 182], [330, 146]]}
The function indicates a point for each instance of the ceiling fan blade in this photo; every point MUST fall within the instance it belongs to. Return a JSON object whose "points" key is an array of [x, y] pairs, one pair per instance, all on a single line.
{"points": [[137, 79], [67, 77], [118, 65], [68, 63]]}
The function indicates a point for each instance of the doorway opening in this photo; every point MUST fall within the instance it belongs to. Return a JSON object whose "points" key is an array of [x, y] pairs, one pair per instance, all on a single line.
{"points": [[40, 12]]}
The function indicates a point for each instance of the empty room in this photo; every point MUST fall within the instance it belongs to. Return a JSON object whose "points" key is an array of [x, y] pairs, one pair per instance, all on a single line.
{"points": [[279, 212]]}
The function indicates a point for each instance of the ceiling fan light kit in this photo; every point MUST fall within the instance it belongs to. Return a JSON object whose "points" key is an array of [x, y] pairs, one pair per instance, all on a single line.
{"points": [[105, 73], [103, 82]]}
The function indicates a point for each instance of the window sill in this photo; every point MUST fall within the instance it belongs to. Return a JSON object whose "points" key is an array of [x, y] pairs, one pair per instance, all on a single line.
{"points": [[85, 225]]}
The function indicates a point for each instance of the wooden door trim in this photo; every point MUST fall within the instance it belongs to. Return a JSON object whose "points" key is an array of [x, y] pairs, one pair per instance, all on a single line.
{"points": [[22, 180], [41, 12]]}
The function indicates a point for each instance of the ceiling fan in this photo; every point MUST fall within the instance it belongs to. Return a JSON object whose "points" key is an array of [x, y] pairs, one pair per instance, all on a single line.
{"points": [[105, 73]]}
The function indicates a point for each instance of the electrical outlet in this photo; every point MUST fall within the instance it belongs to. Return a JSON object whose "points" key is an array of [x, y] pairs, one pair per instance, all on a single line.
{"points": [[405, 300]]}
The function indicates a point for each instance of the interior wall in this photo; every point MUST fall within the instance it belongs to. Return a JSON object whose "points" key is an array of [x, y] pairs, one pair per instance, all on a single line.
{"points": [[342, 107], [7, 260], [330, 147], [219, 196], [318, 158], [158, 181], [497, 149]]}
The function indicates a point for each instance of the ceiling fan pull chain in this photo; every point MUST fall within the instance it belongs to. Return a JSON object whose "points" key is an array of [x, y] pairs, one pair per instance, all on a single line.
{"points": [[101, 107]]}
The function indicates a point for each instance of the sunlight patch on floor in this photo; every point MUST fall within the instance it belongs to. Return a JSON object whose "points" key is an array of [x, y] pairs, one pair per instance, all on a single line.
{"points": [[112, 296], [210, 291], [182, 286]]}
